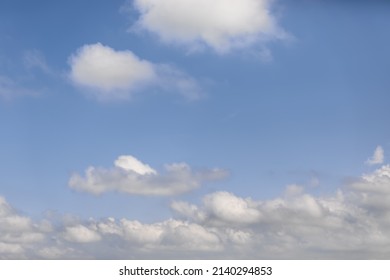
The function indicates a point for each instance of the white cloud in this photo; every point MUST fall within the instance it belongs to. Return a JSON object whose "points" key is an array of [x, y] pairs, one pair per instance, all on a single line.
{"points": [[108, 71], [229, 208], [131, 176], [378, 156], [353, 223], [222, 25], [108, 74], [372, 191], [18, 233]]}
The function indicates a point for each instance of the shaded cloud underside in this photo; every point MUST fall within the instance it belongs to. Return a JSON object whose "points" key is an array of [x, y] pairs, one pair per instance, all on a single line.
{"points": [[352, 223]]}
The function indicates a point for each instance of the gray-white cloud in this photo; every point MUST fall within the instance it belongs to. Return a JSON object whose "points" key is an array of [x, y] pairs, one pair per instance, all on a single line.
{"points": [[352, 223], [222, 25], [108, 74], [18, 233], [131, 176]]}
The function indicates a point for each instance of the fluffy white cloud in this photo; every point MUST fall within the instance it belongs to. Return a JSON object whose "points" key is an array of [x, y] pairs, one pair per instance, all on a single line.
{"points": [[129, 175], [81, 234], [229, 208], [378, 157], [222, 25], [353, 223], [102, 68], [372, 191], [108, 74], [18, 233]]}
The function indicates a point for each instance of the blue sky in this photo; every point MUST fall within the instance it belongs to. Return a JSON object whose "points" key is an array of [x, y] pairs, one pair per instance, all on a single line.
{"points": [[207, 104]]}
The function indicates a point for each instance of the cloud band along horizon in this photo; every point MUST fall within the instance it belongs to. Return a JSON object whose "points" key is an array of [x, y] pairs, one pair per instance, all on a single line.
{"points": [[352, 223]]}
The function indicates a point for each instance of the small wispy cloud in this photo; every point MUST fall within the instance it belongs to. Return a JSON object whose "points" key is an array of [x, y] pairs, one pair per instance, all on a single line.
{"points": [[378, 157]]}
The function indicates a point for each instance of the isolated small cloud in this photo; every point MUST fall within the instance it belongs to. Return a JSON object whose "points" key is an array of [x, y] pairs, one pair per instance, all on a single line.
{"points": [[106, 70], [222, 25], [129, 175], [109, 74], [378, 156]]}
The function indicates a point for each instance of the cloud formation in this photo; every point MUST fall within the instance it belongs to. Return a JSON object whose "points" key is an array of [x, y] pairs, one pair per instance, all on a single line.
{"points": [[129, 175], [222, 25], [352, 223], [378, 157], [109, 74], [18, 234]]}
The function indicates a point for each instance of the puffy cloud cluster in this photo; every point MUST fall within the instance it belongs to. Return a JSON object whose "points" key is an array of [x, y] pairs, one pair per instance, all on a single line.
{"points": [[108, 74], [18, 233], [353, 223], [131, 176], [222, 25]]}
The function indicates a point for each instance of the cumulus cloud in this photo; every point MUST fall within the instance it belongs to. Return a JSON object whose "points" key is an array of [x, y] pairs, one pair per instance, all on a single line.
{"points": [[222, 25], [129, 175], [378, 156], [352, 223], [110, 74], [18, 233], [81, 234]]}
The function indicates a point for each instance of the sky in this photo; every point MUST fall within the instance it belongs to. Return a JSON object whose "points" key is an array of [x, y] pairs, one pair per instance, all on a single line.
{"points": [[188, 129]]}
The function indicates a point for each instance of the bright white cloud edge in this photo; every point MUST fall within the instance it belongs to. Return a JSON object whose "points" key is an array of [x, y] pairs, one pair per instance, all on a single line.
{"points": [[107, 74], [353, 223]]}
